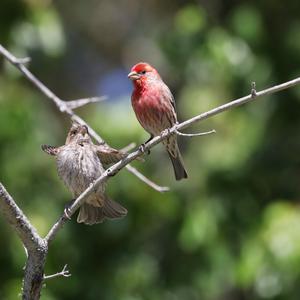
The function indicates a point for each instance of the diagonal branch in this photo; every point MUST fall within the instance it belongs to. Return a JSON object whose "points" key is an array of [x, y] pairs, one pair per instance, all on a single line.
{"points": [[128, 147], [156, 187], [113, 170], [252, 97], [16, 218], [67, 106], [81, 102], [194, 134], [38, 247]]}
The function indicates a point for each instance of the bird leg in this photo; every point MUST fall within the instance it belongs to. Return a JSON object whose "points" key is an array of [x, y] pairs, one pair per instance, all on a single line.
{"points": [[142, 146], [165, 132], [150, 138], [67, 209]]}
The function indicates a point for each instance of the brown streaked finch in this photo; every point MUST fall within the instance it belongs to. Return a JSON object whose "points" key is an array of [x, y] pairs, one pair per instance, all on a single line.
{"points": [[154, 107], [79, 163]]}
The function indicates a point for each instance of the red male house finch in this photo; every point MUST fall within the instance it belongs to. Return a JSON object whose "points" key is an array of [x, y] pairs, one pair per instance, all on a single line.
{"points": [[154, 106], [79, 163]]}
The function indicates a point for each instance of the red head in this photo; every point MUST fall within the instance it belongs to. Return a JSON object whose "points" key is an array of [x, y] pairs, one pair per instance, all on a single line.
{"points": [[141, 72]]}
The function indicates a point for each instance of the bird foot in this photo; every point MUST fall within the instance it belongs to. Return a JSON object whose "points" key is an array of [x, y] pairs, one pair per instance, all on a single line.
{"points": [[109, 173], [66, 213], [67, 209], [165, 132], [142, 149]]}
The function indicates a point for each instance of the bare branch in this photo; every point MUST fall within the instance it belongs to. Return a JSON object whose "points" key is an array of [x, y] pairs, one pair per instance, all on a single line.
{"points": [[128, 147], [113, 170], [34, 272], [23, 60], [62, 105], [17, 63], [194, 134], [239, 102], [63, 273], [56, 227], [81, 102], [18, 221], [35, 247], [156, 187]]}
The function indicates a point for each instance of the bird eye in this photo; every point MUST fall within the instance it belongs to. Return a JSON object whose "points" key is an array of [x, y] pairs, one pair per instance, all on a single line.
{"points": [[143, 72], [73, 132]]}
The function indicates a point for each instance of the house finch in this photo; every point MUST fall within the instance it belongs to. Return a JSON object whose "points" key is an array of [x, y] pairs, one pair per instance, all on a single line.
{"points": [[79, 163], [154, 106]]}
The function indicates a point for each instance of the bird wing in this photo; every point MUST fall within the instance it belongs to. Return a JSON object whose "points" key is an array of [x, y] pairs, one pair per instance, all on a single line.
{"points": [[172, 101], [169, 96], [51, 150], [108, 155]]}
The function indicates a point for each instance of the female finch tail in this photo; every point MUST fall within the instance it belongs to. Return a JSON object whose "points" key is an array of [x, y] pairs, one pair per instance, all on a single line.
{"points": [[90, 214]]}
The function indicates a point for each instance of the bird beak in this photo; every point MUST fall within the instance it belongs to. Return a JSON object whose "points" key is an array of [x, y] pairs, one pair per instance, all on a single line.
{"points": [[133, 75], [84, 130]]}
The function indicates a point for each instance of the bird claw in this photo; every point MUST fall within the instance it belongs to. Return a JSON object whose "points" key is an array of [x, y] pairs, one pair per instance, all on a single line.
{"points": [[66, 213], [165, 132], [142, 149], [67, 209], [109, 173]]}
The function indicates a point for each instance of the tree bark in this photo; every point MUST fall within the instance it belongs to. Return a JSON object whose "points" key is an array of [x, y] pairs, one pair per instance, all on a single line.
{"points": [[34, 273]]}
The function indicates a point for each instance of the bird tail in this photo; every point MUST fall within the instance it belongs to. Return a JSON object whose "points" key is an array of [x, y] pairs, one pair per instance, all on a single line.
{"points": [[90, 214], [178, 164]]}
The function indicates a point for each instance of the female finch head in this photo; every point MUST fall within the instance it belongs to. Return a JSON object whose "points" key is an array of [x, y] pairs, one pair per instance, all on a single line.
{"points": [[77, 132]]}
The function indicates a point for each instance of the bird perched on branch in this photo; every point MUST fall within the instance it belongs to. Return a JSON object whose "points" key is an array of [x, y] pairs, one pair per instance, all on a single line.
{"points": [[154, 106], [79, 163]]}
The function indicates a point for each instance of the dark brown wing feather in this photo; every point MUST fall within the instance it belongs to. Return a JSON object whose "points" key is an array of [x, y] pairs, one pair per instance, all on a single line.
{"points": [[51, 150], [108, 155]]}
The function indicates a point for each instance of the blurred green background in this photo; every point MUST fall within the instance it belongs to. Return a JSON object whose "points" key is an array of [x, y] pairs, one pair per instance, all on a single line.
{"points": [[232, 230]]}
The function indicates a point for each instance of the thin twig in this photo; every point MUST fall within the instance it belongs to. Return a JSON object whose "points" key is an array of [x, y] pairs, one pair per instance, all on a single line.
{"points": [[64, 107], [17, 63], [194, 134], [81, 102], [134, 171], [63, 273], [113, 170], [23, 60], [239, 102], [37, 247], [129, 147]]}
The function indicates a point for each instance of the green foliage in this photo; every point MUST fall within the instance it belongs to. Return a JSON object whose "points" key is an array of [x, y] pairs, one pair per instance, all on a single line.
{"points": [[231, 231]]}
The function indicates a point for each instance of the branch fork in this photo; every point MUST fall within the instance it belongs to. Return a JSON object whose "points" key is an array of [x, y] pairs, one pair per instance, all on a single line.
{"points": [[36, 246], [63, 273], [22, 61], [68, 106]]}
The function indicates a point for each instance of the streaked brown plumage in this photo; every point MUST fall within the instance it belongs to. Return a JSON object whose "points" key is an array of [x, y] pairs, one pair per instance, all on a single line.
{"points": [[79, 163]]}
